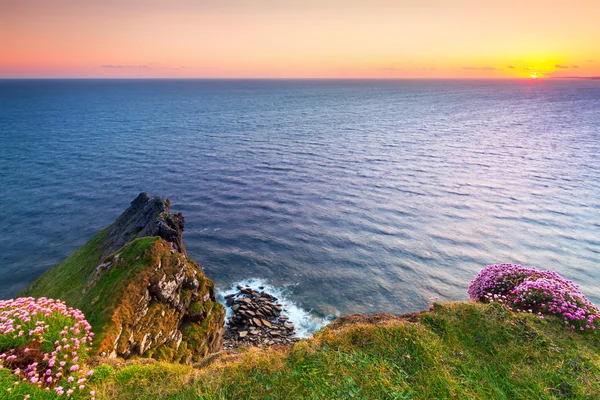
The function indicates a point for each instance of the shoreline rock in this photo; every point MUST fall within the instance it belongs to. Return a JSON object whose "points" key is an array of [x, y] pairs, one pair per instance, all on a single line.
{"points": [[257, 320]]}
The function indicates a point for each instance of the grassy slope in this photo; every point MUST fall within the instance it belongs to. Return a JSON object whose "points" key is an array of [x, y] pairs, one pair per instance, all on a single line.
{"points": [[99, 303], [67, 279], [460, 350]]}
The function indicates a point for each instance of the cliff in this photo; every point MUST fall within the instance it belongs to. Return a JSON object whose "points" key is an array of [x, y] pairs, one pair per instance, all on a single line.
{"points": [[139, 290]]}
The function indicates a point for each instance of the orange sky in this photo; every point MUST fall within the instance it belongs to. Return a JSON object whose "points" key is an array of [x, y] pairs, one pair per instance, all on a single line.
{"points": [[299, 38]]}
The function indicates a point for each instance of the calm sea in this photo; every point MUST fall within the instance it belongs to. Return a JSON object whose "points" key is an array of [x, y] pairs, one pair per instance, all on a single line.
{"points": [[349, 196]]}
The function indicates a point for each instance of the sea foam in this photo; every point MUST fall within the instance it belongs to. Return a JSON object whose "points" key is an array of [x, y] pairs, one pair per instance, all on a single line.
{"points": [[305, 322]]}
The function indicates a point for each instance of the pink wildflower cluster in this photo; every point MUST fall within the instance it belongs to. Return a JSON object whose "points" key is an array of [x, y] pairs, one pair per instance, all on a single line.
{"points": [[526, 289], [43, 341]]}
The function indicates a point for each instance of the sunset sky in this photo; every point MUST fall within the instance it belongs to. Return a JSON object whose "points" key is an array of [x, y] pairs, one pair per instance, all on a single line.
{"points": [[299, 38]]}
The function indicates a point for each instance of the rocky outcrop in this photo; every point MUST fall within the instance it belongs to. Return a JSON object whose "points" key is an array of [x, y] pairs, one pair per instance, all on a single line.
{"points": [[165, 307], [146, 216], [138, 288]]}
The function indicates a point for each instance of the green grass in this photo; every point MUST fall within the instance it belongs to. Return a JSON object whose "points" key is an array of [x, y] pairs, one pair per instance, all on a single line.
{"points": [[67, 280], [457, 351], [99, 302]]}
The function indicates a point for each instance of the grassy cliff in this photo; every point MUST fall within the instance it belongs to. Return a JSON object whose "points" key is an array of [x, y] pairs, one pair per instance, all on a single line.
{"points": [[138, 288], [457, 351]]}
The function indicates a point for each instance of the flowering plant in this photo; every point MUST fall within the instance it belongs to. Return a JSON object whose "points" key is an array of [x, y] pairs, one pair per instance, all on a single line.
{"points": [[526, 289], [42, 342]]}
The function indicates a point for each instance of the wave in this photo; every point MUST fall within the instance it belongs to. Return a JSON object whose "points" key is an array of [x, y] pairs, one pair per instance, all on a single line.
{"points": [[305, 322]]}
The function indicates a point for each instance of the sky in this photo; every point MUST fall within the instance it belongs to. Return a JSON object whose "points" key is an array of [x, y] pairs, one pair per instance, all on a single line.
{"points": [[299, 38]]}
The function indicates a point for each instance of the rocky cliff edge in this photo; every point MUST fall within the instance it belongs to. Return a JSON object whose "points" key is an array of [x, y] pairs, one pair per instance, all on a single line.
{"points": [[137, 287]]}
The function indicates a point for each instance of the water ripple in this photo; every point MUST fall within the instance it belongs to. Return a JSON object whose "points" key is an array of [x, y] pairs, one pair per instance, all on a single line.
{"points": [[354, 196]]}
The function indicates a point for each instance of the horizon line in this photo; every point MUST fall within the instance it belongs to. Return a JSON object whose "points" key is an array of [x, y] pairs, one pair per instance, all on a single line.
{"points": [[303, 78]]}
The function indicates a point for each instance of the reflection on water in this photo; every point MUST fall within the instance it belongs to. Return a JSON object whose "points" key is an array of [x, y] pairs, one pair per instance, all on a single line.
{"points": [[356, 196]]}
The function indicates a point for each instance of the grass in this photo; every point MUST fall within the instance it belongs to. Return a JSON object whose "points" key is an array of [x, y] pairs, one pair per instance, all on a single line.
{"points": [[67, 279], [457, 351]]}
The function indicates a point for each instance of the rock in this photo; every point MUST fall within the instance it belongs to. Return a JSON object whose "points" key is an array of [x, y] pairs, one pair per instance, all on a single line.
{"points": [[146, 216], [255, 312]]}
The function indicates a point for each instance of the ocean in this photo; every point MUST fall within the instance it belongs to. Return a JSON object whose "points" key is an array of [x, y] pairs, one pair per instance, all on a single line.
{"points": [[345, 196]]}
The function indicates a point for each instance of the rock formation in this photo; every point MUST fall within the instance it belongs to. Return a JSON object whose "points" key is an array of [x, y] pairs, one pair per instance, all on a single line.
{"points": [[146, 216], [137, 287], [257, 320]]}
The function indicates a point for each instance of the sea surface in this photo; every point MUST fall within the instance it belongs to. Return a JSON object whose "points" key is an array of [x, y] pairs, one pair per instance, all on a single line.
{"points": [[345, 196]]}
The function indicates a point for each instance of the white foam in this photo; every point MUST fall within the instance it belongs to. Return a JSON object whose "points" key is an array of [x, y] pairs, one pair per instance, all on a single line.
{"points": [[305, 323]]}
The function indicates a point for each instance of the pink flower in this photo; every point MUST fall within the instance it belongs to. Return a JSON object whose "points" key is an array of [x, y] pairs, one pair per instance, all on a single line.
{"points": [[534, 291]]}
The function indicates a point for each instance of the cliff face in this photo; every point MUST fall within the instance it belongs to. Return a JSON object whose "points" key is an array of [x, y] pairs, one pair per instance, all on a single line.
{"points": [[138, 288]]}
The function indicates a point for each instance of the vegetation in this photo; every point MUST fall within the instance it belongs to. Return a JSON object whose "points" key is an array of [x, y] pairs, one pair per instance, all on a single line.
{"points": [[70, 280], [67, 280], [526, 289], [510, 344], [457, 350], [43, 344]]}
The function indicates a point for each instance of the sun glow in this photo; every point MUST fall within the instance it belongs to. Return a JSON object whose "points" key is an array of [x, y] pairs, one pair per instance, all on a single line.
{"points": [[267, 39]]}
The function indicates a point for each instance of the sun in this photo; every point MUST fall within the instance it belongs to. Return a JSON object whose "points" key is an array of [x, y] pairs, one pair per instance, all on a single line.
{"points": [[534, 75]]}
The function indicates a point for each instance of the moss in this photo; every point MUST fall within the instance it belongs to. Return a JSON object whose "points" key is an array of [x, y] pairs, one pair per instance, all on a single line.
{"points": [[163, 353], [198, 337], [195, 309]]}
